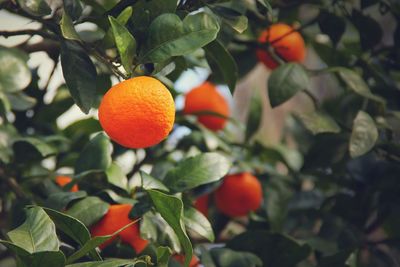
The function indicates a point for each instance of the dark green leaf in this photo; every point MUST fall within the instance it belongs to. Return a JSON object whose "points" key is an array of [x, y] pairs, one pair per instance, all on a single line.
{"points": [[14, 73], [79, 74], [168, 36], [96, 155], [60, 200], [363, 135], [67, 28], [31, 148], [201, 169], [230, 16], [43, 258], [107, 263], [171, 209], [368, 3], [35, 7], [20, 101], [225, 65], [255, 115], [229, 258], [368, 38], [73, 228], [88, 210], [275, 250], [37, 233], [332, 25], [285, 81], [149, 182], [318, 122], [163, 255], [197, 222], [125, 42], [116, 176], [73, 8]]}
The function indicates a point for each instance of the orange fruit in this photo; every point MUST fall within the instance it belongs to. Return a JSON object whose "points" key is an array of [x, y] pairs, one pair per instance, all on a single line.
{"points": [[138, 112], [194, 262], [238, 195], [206, 98], [290, 47], [63, 180], [201, 204], [116, 218]]}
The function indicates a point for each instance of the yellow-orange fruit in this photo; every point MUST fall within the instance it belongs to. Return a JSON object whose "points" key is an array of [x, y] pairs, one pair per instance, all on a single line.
{"points": [[138, 112], [287, 43], [115, 219], [63, 180], [239, 194], [206, 98], [194, 262]]}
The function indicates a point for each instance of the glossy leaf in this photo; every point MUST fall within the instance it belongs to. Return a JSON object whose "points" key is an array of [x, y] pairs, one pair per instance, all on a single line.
{"points": [[201, 169], [88, 210], [222, 59], [285, 81], [125, 42], [149, 182], [363, 136], [96, 155], [73, 8], [171, 209], [197, 222], [67, 28], [60, 200], [116, 176], [254, 116], [14, 72], [318, 122], [35, 7], [79, 74], [169, 36]]}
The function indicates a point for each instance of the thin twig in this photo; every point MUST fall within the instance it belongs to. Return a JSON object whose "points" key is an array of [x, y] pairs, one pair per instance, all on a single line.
{"points": [[42, 33]]}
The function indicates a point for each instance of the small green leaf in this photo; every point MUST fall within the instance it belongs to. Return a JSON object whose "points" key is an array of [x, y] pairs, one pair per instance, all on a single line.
{"points": [[37, 233], [201, 169], [67, 28], [171, 209], [149, 182], [14, 72], [79, 74], [163, 255], [107, 263], [255, 115], [20, 101], [318, 122], [232, 17], [88, 210], [116, 176], [96, 155], [35, 7], [73, 228], [225, 65], [197, 222], [60, 200], [285, 81], [168, 36], [32, 148], [363, 136], [125, 42], [51, 258]]}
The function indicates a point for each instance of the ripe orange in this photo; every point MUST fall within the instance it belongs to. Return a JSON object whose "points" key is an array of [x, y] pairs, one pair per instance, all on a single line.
{"points": [[206, 98], [239, 194], [138, 112], [115, 219], [194, 262], [291, 47], [63, 180], [201, 204]]}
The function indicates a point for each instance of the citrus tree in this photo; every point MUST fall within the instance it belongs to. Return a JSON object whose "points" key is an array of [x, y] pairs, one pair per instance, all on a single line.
{"points": [[219, 195]]}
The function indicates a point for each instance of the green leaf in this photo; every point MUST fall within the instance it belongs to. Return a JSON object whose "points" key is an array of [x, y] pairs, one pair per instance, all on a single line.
{"points": [[38, 259], [163, 255], [225, 257], [355, 83], [35, 7], [332, 25], [31, 148], [107, 263], [197, 222], [285, 81], [232, 17], [201, 169], [88, 210], [255, 115], [20, 101], [149, 182], [168, 36], [94, 243], [224, 63], [37, 233], [73, 228], [67, 28], [363, 136], [318, 122], [116, 176], [96, 155], [79, 74], [125, 42], [171, 209], [73, 8], [5, 105], [275, 250], [14, 72], [7, 134], [368, 38], [60, 200]]}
